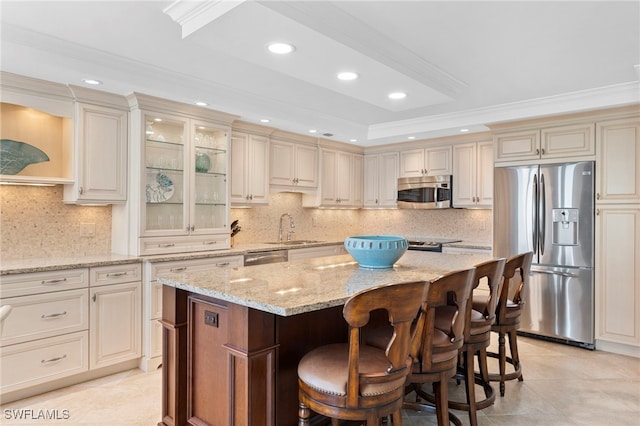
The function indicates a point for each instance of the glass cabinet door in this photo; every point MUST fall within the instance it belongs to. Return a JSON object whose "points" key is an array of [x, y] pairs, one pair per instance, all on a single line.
{"points": [[164, 179], [209, 187]]}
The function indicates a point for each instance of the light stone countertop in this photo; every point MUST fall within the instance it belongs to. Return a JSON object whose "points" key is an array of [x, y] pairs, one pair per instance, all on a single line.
{"points": [[291, 288], [40, 264]]}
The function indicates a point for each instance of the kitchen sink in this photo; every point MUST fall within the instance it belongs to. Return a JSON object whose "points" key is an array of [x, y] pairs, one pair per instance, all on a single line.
{"points": [[294, 242]]}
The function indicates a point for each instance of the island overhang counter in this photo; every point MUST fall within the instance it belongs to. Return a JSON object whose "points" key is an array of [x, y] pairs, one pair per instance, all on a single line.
{"points": [[232, 338]]}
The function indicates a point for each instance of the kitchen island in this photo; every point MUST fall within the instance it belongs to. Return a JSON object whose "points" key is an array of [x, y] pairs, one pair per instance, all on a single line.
{"points": [[233, 337]]}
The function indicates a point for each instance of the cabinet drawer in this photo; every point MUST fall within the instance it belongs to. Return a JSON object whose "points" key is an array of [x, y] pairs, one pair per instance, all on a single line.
{"points": [[43, 282], [195, 265], [194, 243], [115, 274], [32, 363], [44, 315]]}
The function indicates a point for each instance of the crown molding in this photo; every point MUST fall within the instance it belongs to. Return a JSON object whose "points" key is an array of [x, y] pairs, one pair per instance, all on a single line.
{"points": [[584, 100], [192, 16]]}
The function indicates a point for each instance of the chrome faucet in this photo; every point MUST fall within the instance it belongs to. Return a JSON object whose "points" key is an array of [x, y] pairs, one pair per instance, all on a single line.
{"points": [[291, 225]]}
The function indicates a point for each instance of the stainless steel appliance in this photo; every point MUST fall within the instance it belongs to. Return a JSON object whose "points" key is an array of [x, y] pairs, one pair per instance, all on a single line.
{"points": [[264, 257], [549, 209], [424, 192], [429, 244]]}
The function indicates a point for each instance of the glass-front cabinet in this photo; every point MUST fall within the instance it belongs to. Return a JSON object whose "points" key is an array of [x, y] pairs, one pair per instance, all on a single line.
{"points": [[185, 183], [183, 203]]}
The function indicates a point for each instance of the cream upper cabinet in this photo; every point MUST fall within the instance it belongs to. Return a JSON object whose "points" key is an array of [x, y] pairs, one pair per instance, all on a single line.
{"points": [[426, 161], [101, 135], [249, 169], [381, 180], [179, 180], [340, 181], [293, 165], [618, 278], [559, 142], [618, 161], [473, 175]]}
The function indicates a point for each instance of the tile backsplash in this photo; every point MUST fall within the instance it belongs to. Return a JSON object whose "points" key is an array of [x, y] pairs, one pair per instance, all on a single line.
{"points": [[34, 222]]}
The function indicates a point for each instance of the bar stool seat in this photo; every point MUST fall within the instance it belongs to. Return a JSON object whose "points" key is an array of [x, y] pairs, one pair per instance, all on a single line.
{"points": [[357, 382]]}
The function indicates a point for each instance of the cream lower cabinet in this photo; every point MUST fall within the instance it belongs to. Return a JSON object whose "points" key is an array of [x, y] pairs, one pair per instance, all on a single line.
{"points": [[152, 300], [618, 278], [64, 327], [115, 315], [473, 175]]}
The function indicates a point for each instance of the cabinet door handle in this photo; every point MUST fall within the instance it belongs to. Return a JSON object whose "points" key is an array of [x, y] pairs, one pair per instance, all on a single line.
{"points": [[116, 274], [597, 212], [542, 151], [597, 195], [47, 361], [193, 227], [168, 245], [93, 297], [81, 190], [182, 268], [54, 281], [56, 315], [537, 152]]}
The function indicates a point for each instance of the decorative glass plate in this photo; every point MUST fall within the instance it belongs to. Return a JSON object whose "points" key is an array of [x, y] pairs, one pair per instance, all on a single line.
{"points": [[159, 187]]}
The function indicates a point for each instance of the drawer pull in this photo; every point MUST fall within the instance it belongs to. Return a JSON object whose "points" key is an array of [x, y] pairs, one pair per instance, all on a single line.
{"points": [[208, 243], [116, 274], [50, 360], [59, 314], [54, 281], [183, 268], [166, 245], [223, 264]]}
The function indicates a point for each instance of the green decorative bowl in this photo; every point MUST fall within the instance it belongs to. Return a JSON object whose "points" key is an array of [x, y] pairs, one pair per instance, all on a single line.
{"points": [[376, 251]]}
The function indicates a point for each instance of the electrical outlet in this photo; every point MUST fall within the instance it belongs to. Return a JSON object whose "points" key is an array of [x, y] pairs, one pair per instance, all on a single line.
{"points": [[211, 318], [88, 230]]}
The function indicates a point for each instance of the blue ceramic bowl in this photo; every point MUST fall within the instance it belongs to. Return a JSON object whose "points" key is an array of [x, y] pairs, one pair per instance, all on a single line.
{"points": [[376, 251]]}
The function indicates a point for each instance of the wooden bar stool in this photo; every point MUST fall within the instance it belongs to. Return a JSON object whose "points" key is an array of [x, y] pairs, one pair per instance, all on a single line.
{"points": [[477, 337], [357, 382], [508, 313], [435, 350]]}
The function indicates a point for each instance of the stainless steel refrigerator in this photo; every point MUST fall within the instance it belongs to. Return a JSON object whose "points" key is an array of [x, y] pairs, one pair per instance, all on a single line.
{"points": [[549, 209]]}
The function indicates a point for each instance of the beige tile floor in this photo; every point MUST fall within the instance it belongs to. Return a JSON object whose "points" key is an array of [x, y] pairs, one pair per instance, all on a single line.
{"points": [[563, 385]]}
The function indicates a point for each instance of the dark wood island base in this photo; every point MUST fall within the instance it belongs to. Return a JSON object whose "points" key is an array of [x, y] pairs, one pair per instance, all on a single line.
{"points": [[227, 364]]}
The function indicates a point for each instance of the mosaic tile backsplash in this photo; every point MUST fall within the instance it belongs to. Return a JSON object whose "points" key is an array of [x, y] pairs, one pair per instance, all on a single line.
{"points": [[34, 222]]}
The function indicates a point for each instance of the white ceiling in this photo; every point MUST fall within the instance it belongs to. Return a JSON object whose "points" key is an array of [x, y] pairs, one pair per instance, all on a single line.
{"points": [[462, 64]]}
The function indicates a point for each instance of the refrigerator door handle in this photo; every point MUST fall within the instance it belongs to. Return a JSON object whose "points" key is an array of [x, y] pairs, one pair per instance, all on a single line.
{"points": [[543, 214], [534, 195], [562, 274]]}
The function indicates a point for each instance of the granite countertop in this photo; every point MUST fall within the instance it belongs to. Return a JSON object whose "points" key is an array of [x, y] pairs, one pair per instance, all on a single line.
{"points": [[21, 266], [290, 288], [44, 264]]}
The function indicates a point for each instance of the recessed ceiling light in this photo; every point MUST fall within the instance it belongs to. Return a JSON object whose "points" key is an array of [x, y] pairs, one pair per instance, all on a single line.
{"points": [[397, 95], [157, 119], [313, 131], [464, 130], [92, 81], [265, 120], [281, 48], [353, 140], [200, 103], [347, 75], [411, 137]]}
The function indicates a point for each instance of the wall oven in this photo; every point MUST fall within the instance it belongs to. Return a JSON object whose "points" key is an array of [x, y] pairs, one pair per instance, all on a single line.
{"points": [[424, 192]]}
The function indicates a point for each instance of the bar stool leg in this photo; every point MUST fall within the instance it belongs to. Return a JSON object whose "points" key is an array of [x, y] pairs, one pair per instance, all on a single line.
{"points": [[502, 357], [513, 345], [470, 384]]}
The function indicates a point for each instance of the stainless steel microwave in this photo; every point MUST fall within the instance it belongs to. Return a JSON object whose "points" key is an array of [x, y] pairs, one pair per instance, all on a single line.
{"points": [[424, 192]]}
